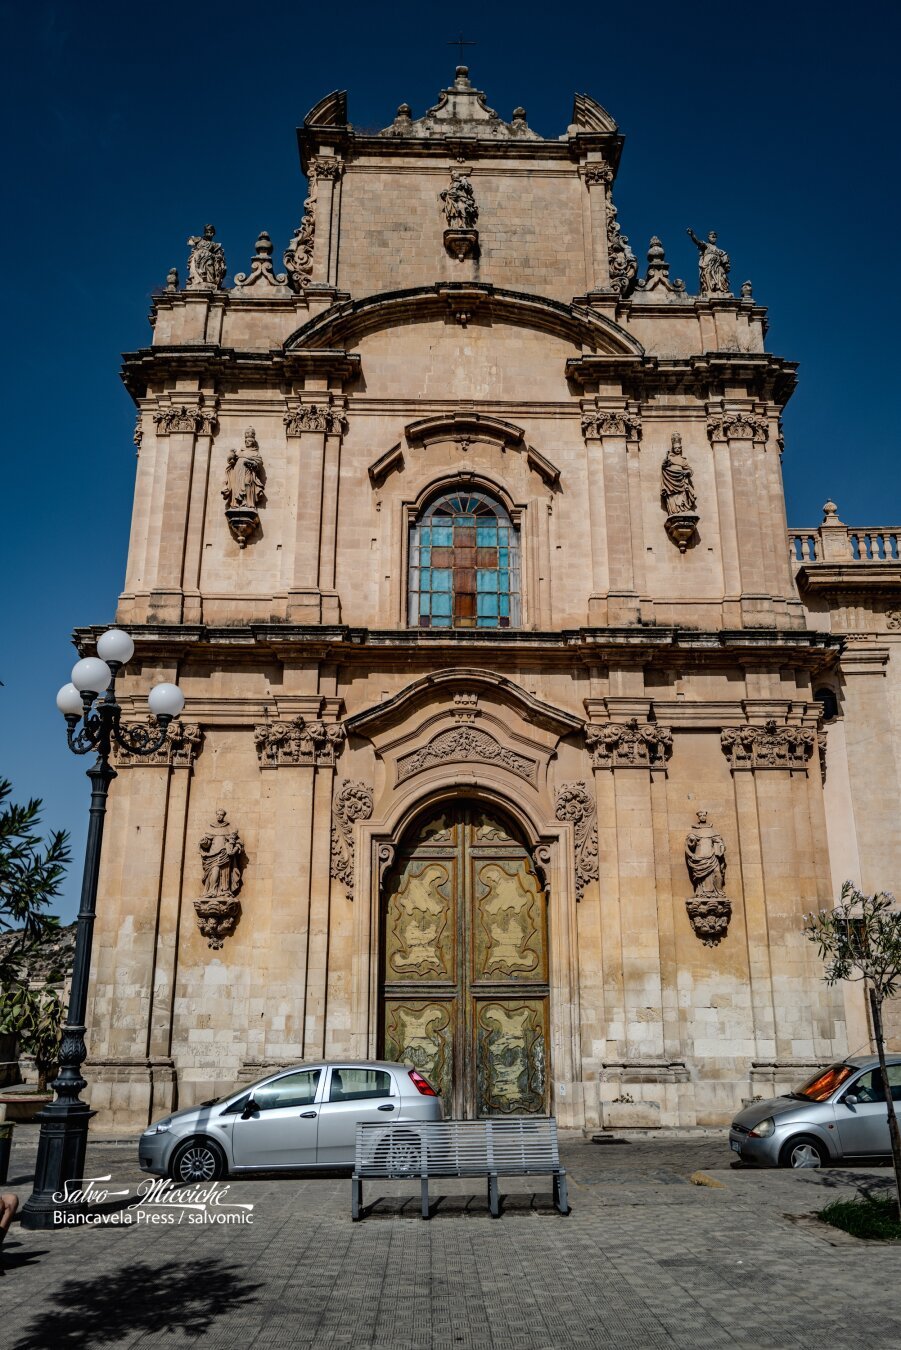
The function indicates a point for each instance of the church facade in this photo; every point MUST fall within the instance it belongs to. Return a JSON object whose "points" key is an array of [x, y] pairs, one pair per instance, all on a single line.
{"points": [[520, 733]]}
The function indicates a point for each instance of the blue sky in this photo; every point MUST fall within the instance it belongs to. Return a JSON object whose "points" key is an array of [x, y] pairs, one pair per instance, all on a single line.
{"points": [[129, 126]]}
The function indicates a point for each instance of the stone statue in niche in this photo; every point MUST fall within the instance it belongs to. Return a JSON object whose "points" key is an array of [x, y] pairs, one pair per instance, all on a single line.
{"points": [[243, 488], [222, 861], [206, 262], [677, 495], [713, 265], [461, 238], [709, 911]]}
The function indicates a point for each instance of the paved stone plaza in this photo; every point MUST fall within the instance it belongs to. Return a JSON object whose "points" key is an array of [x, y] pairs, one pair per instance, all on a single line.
{"points": [[645, 1259]]}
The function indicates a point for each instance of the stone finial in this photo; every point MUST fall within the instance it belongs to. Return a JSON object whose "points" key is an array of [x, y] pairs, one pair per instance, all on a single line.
{"points": [[518, 123], [746, 291], [172, 279], [830, 514], [261, 279], [658, 277]]}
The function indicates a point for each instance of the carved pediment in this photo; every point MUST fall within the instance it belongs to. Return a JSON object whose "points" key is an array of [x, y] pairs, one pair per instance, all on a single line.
{"points": [[465, 429], [465, 744]]}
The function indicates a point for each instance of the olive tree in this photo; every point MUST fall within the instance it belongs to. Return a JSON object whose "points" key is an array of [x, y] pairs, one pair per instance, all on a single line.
{"points": [[861, 940], [31, 873]]}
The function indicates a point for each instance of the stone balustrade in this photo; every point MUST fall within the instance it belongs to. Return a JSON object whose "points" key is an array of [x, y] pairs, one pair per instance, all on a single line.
{"points": [[835, 542]]}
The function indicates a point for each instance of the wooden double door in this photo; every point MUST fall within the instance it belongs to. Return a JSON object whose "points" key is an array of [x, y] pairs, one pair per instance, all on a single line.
{"points": [[465, 964]]}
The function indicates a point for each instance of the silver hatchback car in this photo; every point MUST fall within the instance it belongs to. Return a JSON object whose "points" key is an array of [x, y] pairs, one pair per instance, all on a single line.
{"points": [[838, 1114], [296, 1118]]}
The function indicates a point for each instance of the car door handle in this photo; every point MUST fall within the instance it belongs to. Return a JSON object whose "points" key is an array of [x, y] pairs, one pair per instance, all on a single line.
{"points": [[307, 1115], [386, 1108]]}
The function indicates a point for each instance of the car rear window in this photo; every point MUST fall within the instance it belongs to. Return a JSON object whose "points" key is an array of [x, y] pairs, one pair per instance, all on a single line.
{"points": [[821, 1087], [350, 1085]]}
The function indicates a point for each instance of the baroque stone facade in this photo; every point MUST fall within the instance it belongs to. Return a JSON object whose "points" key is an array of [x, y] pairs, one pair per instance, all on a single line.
{"points": [[495, 651]]}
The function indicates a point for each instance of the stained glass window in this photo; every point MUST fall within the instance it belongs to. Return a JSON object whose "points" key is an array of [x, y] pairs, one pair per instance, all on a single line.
{"points": [[464, 565]]}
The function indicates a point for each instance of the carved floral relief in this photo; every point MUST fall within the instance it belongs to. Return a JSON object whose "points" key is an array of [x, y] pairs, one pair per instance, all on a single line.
{"points": [[768, 747], [298, 742], [353, 802], [575, 803], [183, 740], [464, 743], [631, 744]]}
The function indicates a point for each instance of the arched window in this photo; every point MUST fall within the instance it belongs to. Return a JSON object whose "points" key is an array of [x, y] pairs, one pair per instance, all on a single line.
{"points": [[827, 697], [464, 564]]}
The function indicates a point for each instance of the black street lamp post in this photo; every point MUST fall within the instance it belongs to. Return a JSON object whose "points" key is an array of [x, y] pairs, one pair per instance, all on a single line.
{"points": [[90, 699]]}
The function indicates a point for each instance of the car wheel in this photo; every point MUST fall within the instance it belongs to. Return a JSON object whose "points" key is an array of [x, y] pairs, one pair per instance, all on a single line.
{"points": [[198, 1160], [404, 1150], [803, 1152]]}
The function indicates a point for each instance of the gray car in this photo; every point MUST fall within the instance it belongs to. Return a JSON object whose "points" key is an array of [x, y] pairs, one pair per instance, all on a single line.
{"points": [[838, 1114], [297, 1118]]}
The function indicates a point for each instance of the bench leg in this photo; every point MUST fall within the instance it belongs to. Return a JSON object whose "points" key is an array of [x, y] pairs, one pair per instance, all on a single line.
{"points": [[426, 1212], [561, 1199], [356, 1198], [494, 1199]]}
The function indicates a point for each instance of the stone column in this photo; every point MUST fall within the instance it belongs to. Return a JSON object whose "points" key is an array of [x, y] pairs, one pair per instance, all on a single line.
{"points": [[197, 510], [598, 178], [331, 478], [306, 424], [325, 183], [743, 434], [617, 433]]}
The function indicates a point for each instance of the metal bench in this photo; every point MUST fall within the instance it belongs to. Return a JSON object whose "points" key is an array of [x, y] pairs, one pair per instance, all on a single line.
{"points": [[516, 1147]]}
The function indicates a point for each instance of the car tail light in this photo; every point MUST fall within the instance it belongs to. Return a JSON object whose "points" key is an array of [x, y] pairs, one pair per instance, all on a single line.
{"points": [[422, 1084]]}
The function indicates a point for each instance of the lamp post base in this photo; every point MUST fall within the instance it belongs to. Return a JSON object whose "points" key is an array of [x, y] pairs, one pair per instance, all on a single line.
{"points": [[61, 1153]]}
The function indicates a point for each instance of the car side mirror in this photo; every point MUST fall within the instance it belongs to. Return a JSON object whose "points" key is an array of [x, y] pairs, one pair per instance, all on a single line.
{"points": [[250, 1108], [849, 1099]]}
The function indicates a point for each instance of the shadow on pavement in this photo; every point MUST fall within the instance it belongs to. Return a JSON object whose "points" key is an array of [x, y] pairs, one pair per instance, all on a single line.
{"points": [[187, 1296]]}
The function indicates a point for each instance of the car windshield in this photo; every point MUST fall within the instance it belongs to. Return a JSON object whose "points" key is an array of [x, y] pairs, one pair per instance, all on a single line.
{"points": [[821, 1087]]}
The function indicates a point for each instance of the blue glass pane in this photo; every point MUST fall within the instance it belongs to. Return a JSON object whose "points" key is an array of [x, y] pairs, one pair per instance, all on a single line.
{"points": [[424, 603], [486, 535], [503, 557], [486, 604], [425, 556], [503, 581], [503, 534], [504, 605], [441, 604], [464, 520], [440, 621], [486, 581], [488, 622], [442, 536], [425, 535], [441, 578]]}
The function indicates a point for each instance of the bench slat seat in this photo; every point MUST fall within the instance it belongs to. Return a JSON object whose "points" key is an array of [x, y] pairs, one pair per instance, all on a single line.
{"points": [[518, 1146]]}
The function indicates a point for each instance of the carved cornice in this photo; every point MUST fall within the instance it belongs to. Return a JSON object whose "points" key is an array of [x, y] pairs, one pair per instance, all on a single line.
{"points": [[353, 802], [286, 744], [464, 743], [151, 367], [183, 741], [629, 745], [194, 421], [573, 802], [600, 422], [738, 426], [768, 747], [315, 417]]}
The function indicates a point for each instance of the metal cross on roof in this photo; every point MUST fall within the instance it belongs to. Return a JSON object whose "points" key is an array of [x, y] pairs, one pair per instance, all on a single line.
{"points": [[461, 42]]}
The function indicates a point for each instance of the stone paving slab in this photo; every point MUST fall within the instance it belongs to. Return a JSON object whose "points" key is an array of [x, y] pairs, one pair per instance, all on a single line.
{"points": [[646, 1259]]}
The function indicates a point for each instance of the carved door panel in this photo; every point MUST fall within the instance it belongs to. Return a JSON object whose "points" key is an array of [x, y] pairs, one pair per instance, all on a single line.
{"points": [[465, 965]]}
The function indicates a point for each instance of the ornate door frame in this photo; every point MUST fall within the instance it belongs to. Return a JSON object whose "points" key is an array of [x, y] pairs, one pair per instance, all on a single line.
{"points": [[551, 844]]}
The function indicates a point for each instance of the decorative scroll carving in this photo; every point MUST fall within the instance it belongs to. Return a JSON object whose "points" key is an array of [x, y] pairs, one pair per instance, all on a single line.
{"points": [[677, 495], [243, 488], [630, 745], [206, 261], [713, 265], [610, 422], [298, 256], [353, 801], [138, 432], [709, 911], [893, 620], [657, 278], [575, 803], [768, 747], [464, 743], [738, 426], [261, 277], [183, 741], [330, 167], [621, 260], [315, 417], [195, 421], [281, 744], [222, 859]]}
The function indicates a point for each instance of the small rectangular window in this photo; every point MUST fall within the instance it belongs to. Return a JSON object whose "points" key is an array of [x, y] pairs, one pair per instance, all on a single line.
{"points": [[353, 1085]]}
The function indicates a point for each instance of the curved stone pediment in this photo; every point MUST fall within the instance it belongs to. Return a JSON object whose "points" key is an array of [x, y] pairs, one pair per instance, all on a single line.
{"points": [[344, 324], [464, 428]]}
